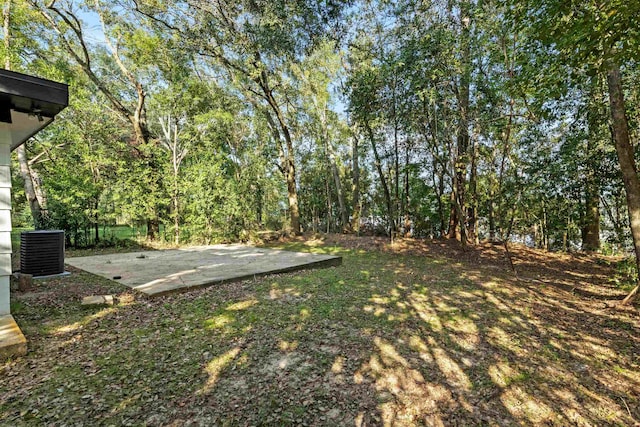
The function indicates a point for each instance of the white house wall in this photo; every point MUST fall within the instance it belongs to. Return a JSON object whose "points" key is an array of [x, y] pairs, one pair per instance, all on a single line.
{"points": [[5, 220]]}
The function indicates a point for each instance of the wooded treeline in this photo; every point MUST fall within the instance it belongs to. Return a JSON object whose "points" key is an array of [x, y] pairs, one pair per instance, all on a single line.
{"points": [[453, 118]]}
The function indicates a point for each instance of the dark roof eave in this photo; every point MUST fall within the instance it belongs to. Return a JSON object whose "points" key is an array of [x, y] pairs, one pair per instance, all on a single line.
{"points": [[34, 96], [35, 88]]}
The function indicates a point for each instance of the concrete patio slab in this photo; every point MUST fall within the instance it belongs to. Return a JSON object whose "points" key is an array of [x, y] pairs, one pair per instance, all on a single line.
{"points": [[160, 272]]}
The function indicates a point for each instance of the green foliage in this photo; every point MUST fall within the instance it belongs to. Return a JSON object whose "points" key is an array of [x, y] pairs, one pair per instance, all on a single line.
{"points": [[231, 79], [626, 276]]}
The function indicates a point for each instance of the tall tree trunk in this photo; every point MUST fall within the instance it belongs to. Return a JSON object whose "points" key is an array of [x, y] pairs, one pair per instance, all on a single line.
{"points": [[492, 218], [461, 162], [143, 136], [289, 167], [472, 209], [383, 180], [626, 159], [459, 198], [292, 192], [171, 142], [96, 223], [454, 218], [614, 217], [439, 185], [407, 197], [153, 228], [38, 212], [344, 215], [355, 189], [545, 227], [176, 207], [329, 214], [591, 223], [431, 128], [259, 203], [396, 155], [591, 228]]}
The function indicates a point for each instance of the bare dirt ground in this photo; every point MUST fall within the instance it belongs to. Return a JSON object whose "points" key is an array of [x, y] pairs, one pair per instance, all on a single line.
{"points": [[414, 333]]}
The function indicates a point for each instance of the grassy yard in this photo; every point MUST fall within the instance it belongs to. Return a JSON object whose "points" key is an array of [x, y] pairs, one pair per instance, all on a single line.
{"points": [[418, 333]]}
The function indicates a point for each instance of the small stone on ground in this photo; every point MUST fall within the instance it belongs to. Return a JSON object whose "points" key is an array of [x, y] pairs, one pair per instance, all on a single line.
{"points": [[98, 300]]}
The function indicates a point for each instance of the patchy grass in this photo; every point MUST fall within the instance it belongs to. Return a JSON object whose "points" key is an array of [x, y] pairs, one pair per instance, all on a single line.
{"points": [[417, 333]]}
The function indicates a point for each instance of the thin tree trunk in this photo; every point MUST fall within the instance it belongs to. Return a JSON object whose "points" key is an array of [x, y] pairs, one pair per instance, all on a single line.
{"points": [[492, 218], [463, 122], [591, 224], [37, 211], [153, 229], [626, 159], [294, 213], [176, 207], [440, 193], [613, 217], [472, 210], [344, 215], [37, 187], [407, 197], [437, 188], [432, 128], [458, 220], [314, 222], [176, 160], [355, 220], [259, 203], [545, 228], [172, 143], [396, 154], [453, 215], [329, 215], [591, 227], [96, 224], [383, 181], [289, 166]]}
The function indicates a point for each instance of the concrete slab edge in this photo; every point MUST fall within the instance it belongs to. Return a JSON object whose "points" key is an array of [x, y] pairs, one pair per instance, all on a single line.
{"points": [[335, 261], [52, 276], [12, 341]]}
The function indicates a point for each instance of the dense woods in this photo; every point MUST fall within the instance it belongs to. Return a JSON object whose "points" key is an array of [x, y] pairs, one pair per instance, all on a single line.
{"points": [[212, 120]]}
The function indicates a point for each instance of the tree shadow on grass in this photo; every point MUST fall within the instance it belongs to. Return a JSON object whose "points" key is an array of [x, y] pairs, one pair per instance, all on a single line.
{"points": [[385, 339], [505, 354]]}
